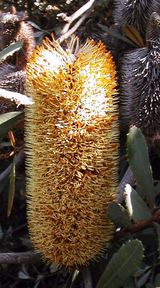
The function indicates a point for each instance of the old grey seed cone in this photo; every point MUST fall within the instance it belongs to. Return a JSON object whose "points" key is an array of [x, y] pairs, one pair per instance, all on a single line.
{"points": [[140, 87], [135, 13]]}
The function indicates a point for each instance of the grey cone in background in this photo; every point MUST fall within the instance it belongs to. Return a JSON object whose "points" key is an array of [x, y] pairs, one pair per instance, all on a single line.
{"points": [[140, 87], [13, 27], [135, 13]]}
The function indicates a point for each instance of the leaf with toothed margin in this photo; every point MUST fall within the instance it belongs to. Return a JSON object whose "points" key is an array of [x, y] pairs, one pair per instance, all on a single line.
{"points": [[122, 265], [139, 161]]}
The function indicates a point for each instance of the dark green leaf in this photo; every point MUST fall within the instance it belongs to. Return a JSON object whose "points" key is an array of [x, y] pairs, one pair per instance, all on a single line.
{"points": [[10, 50], [11, 188], [137, 208], [1, 233], [115, 34], [157, 281], [123, 265], [8, 121], [130, 283], [119, 215], [140, 165], [157, 188], [142, 276], [34, 25], [158, 237], [149, 285]]}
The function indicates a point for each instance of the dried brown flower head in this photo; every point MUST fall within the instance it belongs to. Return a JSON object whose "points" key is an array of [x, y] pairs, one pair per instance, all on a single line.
{"points": [[13, 27], [140, 99], [135, 13]]}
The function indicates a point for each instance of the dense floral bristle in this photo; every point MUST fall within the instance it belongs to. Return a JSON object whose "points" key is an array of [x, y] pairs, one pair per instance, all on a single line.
{"points": [[140, 99], [72, 147]]}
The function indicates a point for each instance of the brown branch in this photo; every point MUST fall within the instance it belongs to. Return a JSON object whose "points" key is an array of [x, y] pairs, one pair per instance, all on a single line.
{"points": [[74, 28], [138, 226], [76, 15], [20, 99], [18, 258]]}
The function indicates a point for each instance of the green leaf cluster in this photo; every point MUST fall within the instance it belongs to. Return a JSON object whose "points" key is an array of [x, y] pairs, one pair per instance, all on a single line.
{"points": [[127, 266]]}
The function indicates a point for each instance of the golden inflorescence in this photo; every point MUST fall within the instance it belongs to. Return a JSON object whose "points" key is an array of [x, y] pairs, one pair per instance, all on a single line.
{"points": [[72, 147]]}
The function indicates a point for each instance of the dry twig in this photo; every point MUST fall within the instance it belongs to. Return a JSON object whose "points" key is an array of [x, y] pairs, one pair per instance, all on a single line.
{"points": [[139, 226], [77, 14], [20, 99], [21, 257], [74, 28], [83, 12]]}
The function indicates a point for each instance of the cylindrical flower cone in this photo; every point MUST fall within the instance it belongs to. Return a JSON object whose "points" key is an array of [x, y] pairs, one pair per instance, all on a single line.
{"points": [[135, 13], [72, 147]]}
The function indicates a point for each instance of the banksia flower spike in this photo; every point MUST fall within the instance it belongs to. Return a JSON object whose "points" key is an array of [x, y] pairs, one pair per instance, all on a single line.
{"points": [[135, 13], [72, 147], [140, 100]]}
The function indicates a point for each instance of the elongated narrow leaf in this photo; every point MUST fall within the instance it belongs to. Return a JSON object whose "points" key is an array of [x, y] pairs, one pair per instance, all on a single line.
{"points": [[74, 277], [34, 25], [122, 265], [143, 278], [130, 283], [116, 34], [134, 35], [8, 121], [137, 208], [140, 165], [11, 188], [119, 215], [10, 50], [157, 188], [157, 281], [157, 226]]}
